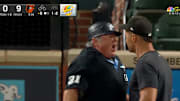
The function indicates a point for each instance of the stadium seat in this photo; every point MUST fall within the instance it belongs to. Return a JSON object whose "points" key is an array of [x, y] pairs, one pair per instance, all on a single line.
{"points": [[167, 33], [166, 28], [152, 9], [151, 4], [174, 2]]}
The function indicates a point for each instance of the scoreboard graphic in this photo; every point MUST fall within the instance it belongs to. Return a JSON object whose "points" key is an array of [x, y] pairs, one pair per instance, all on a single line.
{"points": [[64, 10], [68, 9]]}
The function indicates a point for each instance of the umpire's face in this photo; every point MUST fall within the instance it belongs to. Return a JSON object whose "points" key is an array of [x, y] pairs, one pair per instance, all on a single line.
{"points": [[106, 44], [130, 41]]}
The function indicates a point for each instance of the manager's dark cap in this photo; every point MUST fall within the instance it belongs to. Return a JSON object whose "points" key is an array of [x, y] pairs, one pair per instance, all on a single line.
{"points": [[101, 28], [139, 25]]}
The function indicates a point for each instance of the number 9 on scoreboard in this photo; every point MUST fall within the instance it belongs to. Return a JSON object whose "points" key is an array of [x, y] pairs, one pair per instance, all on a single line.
{"points": [[18, 8]]}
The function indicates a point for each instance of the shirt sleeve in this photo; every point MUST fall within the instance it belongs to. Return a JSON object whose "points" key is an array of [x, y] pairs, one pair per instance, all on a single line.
{"points": [[146, 76], [76, 78]]}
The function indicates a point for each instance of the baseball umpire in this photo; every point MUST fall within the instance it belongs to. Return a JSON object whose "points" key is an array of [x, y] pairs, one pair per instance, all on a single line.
{"points": [[152, 77], [97, 74]]}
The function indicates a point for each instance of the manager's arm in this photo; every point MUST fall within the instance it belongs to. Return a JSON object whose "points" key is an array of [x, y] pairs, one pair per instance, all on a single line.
{"points": [[70, 95], [127, 97], [148, 94]]}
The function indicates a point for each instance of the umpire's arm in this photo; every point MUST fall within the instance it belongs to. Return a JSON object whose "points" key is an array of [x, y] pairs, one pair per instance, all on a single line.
{"points": [[70, 95]]}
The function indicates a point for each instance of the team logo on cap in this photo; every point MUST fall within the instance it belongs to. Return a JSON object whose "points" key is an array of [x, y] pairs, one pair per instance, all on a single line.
{"points": [[149, 34], [131, 28], [111, 27]]}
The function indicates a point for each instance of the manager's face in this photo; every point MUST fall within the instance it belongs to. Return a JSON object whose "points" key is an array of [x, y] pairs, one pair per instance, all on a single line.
{"points": [[130, 41]]}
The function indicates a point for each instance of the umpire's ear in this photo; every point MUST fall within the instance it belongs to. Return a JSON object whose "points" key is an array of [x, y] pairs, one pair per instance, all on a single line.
{"points": [[95, 42]]}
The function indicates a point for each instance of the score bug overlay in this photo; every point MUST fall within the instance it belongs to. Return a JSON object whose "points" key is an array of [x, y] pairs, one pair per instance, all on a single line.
{"points": [[38, 10]]}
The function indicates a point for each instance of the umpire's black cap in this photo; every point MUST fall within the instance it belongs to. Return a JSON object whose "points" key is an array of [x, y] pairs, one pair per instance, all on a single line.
{"points": [[139, 25], [101, 28]]}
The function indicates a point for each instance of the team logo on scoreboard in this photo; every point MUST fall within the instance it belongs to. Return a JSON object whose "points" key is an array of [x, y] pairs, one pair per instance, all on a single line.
{"points": [[30, 8], [12, 90], [68, 9]]}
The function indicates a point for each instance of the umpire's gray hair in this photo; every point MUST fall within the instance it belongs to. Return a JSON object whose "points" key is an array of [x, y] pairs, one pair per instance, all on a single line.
{"points": [[89, 44]]}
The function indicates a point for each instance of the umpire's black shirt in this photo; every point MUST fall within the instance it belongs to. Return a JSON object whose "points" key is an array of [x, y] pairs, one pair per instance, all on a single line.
{"points": [[96, 78], [151, 71]]}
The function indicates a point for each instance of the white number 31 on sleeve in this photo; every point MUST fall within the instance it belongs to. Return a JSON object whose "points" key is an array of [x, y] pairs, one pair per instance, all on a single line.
{"points": [[74, 79]]}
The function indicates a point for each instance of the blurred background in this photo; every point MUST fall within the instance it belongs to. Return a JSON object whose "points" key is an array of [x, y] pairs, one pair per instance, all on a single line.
{"points": [[35, 51]]}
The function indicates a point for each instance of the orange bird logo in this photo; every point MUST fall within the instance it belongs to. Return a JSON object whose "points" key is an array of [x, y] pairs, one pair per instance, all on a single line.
{"points": [[30, 8]]}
